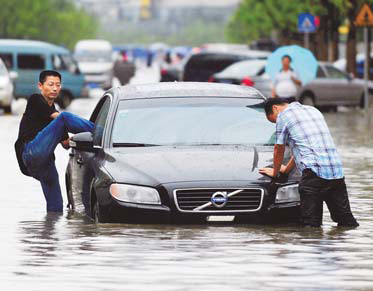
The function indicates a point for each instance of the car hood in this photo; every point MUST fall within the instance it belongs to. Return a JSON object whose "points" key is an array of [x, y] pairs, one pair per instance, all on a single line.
{"points": [[159, 165]]}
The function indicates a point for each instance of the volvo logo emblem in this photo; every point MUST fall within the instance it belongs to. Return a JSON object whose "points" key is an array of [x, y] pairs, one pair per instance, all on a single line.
{"points": [[219, 199]]}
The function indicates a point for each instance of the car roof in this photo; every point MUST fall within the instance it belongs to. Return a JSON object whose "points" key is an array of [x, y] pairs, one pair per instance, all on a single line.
{"points": [[258, 62], [246, 52], [21, 45], [185, 89]]}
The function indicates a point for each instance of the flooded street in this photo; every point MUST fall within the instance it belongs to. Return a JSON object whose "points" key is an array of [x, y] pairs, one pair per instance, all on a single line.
{"points": [[62, 252]]}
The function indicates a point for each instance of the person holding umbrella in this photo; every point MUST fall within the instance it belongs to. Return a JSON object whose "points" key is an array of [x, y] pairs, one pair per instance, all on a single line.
{"points": [[286, 81], [290, 67]]}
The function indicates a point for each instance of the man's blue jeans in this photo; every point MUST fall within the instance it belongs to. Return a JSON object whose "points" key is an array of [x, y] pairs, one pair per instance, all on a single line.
{"points": [[39, 159]]}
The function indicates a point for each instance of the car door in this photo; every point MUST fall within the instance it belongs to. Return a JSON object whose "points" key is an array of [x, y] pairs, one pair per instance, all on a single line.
{"points": [[343, 90], [81, 170]]}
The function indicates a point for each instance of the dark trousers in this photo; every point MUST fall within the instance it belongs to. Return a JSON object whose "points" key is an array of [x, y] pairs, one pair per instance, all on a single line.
{"points": [[314, 191], [38, 155]]}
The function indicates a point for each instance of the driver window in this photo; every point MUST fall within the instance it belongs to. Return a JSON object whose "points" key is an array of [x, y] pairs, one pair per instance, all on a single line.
{"points": [[100, 122]]}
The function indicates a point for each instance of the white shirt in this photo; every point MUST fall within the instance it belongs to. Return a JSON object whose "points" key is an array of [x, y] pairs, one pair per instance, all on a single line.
{"points": [[284, 85]]}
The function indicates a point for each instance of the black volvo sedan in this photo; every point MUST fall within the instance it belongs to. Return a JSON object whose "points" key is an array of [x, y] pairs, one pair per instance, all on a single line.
{"points": [[179, 152]]}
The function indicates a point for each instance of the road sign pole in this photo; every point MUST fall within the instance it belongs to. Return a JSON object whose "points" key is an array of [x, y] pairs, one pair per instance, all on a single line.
{"points": [[307, 40], [364, 18], [366, 68]]}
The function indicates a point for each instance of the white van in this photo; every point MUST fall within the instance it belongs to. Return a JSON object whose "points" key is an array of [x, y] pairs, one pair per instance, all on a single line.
{"points": [[95, 60]]}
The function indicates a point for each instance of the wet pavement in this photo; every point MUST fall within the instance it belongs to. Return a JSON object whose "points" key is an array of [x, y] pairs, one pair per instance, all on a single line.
{"points": [[61, 252]]}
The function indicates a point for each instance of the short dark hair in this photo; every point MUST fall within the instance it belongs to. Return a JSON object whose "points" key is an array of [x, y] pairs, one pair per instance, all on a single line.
{"points": [[268, 104], [46, 73], [287, 56]]}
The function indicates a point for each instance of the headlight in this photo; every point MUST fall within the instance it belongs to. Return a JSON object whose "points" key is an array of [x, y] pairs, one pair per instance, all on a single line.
{"points": [[287, 194], [135, 194]]}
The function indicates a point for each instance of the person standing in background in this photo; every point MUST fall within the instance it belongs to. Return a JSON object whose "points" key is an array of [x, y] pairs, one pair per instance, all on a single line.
{"points": [[286, 81]]}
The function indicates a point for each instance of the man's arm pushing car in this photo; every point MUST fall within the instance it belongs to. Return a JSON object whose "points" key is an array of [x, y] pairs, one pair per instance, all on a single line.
{"points": [[278, 167]]}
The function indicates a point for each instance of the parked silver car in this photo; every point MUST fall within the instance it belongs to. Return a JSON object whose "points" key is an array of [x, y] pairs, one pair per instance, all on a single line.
{"points": [[6, 88], [332, 88]]}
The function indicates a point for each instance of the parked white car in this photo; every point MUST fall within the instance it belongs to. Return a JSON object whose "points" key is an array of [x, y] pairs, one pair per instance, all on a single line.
{"points": [[6, 89]]}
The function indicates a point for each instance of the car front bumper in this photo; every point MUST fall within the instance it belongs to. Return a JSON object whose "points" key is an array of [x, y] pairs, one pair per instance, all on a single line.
{"points": [[169, 212]]}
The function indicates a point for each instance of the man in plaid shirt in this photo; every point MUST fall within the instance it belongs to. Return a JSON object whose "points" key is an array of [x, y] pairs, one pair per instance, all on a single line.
{"points": [[304, 129]]}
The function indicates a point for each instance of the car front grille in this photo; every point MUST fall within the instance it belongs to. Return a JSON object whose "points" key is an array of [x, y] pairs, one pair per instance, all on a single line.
{"points": [[201, 200]]}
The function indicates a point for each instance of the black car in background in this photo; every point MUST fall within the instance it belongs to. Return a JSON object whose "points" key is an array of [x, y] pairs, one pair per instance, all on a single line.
{"points": [[201, 66], [179, 152]]}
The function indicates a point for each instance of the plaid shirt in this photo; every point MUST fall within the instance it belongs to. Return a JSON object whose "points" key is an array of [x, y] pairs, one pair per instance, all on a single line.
{"points": [[304, 129]]}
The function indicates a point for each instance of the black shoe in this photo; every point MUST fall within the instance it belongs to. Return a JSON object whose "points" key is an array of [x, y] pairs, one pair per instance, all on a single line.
{"points": [[350, 224]]}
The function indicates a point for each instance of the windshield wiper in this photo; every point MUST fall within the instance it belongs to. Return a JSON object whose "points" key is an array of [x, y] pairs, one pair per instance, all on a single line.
{"points": [[133, 144]]}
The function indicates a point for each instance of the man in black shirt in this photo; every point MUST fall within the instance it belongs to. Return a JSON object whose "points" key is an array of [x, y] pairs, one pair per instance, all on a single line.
{"points": [[41, 129]]}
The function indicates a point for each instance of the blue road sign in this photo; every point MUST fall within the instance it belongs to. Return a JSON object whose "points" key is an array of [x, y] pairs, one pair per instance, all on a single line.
{"points": [[306, 23]]}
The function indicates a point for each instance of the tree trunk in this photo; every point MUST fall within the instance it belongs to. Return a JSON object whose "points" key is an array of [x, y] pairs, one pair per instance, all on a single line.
{"points": [[321, 50], [351, 39], [334, 35], [369, 49]]}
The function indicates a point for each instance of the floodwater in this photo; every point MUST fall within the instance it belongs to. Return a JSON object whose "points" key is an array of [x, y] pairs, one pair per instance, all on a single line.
{"points": [[69, 252]]}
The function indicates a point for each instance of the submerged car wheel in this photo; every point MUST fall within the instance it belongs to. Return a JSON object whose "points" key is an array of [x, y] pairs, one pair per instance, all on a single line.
{"points": [[99, 213]]}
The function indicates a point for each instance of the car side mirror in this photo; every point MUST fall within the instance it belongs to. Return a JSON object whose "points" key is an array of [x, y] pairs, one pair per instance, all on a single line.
{"points": [[83, 142]]}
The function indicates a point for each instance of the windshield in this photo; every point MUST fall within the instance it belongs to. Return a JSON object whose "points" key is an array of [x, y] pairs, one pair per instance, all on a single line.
{"points": [[191, 121], [93, 55]]}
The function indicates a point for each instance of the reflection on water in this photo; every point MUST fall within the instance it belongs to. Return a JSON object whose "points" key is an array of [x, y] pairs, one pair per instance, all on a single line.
{"points": [[39, 240], [70, 252]]}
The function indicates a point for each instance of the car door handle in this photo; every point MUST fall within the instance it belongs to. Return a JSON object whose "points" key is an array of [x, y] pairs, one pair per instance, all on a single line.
{"points": [[79, 161]]}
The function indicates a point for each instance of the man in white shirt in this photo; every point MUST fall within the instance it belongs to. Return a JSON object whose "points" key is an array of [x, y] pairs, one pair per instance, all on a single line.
{"points": [[286, 81]]}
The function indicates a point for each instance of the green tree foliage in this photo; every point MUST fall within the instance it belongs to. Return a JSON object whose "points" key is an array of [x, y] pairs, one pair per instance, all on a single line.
{"points": [[195, 33], [56, 21], [255, 19], [260, 19]]}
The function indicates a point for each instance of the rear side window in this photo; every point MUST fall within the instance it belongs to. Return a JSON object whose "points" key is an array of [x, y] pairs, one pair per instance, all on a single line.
{"points": [[7, 59], [335, 73], [31, 62]]}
